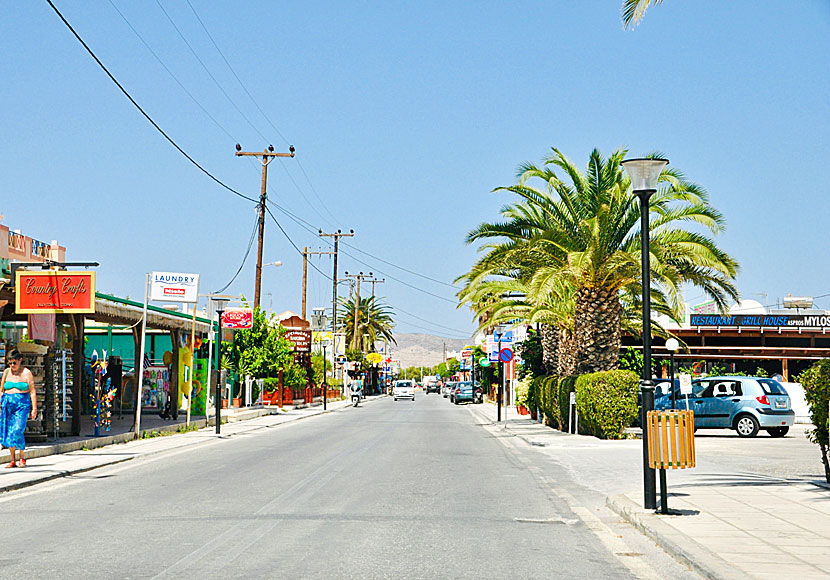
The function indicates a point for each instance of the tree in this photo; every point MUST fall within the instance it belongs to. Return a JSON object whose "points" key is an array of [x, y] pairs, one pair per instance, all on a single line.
{"points": [[373, 318], [632, 11], [816, 381], [574, 246]]}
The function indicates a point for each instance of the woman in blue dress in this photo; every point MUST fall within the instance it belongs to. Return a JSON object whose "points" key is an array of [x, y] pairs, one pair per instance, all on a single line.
{"points": [[18, 404]]}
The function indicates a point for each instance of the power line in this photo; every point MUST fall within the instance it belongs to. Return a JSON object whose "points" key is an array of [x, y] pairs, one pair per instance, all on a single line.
{"points": [[244, 258], [219, 86], [429, 321], [287, 237], [399, 267], [142, 111]]}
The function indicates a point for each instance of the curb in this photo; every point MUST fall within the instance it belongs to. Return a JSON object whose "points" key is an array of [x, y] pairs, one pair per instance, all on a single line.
{"points": [[678, 545]]}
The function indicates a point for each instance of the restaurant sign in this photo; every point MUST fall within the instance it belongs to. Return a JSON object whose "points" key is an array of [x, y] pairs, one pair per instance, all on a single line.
{"points": [[238, 318], [54, 291], [301, 339], [763, 320]]}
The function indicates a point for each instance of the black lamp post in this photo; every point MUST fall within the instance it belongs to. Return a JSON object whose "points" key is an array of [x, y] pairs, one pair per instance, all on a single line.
{"points": [[672, 345], [220, 309], [644, 175]]}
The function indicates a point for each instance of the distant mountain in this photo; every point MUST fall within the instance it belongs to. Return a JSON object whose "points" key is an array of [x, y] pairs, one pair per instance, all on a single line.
{"points": [[424, 349]]}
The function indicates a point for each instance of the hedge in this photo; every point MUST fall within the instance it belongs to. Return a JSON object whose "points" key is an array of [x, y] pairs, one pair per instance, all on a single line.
{"points": [[607, 402], [816, 382]]}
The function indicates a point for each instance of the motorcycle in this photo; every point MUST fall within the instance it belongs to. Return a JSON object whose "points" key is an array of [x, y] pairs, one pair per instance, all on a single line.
{"points": [[355, 397], [478, 396]]}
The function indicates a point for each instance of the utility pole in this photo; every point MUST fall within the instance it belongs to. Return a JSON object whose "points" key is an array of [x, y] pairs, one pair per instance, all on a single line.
{"points": [[267, 157], [306, 254], [373, 281], [358, 277], [336, 235]]}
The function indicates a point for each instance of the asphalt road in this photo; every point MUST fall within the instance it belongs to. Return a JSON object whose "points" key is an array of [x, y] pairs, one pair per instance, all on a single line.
{"points": [[388, 490]]}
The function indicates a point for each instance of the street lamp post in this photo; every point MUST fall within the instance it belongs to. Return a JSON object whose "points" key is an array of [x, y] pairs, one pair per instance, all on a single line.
{"points": [[220, 309], [672, 345], [644, 175]]}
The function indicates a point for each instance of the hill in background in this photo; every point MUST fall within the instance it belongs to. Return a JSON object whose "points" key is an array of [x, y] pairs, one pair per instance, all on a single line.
{"points": [[424, 349]]}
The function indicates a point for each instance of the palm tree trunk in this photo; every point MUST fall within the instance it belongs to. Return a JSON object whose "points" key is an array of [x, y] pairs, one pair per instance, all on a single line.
{"points": [[567, 353], [597, 329], [550, 347]]}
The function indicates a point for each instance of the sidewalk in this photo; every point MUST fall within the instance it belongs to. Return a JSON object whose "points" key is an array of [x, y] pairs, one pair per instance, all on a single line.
{"points": [[724, 524], [73, 455]]}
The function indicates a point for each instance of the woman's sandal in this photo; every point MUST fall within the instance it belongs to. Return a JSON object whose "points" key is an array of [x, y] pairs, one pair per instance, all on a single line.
{"points": [[12, 464], [22, 463]]}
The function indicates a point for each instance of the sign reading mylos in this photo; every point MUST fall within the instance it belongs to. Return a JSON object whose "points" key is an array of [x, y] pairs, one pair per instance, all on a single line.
{"points": [[174, 287], [762, 320], [54, 291], [238, 318]]}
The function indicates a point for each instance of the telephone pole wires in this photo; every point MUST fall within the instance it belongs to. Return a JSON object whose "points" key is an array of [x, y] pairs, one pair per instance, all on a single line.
{"points": [[267, 157], [336, 235], [359, 277], [306, 254]]}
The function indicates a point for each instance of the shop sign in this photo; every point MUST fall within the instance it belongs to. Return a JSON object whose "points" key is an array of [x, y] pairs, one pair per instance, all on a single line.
{"points": [[40, 249], [374, 358], [174, 287], [238, 318], [763, 320], [54, 291], [467, 352], [710, 307], [301, 339]]}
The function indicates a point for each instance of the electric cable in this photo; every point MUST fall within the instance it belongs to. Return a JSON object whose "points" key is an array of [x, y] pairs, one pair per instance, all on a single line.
{"points": [[399, 267], [429, 321], [287, 237], [244, 258], [143, 112]]}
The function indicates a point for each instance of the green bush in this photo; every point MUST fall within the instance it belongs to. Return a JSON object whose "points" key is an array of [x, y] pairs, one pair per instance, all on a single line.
{"points": [[565, 387], [816, 381], [607, 402], [270, 384]]}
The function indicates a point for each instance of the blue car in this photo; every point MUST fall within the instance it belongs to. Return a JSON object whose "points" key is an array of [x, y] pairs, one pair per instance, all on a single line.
{"points": [[745, 404], [465, 391]]}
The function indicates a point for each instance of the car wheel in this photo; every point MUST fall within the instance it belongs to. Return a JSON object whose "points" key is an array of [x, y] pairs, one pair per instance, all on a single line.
{"points": [[746, 426], [778, 431]]}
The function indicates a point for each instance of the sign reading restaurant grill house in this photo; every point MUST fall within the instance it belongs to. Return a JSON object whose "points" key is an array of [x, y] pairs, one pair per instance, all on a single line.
{"points": [[54, 291], [174, 287], [762, 320]]}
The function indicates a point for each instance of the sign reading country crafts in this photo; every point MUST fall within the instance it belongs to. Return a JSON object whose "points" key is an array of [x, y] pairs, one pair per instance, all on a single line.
{"points": [[174, 287], [54, 291], [238, 318]]}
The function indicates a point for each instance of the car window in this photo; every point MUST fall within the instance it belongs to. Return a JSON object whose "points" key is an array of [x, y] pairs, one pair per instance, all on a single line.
{"points": [[772, 387], [702, 389]]}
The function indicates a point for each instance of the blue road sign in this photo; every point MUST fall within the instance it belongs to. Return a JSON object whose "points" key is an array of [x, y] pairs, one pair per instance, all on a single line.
{"points": [[505, 355]]}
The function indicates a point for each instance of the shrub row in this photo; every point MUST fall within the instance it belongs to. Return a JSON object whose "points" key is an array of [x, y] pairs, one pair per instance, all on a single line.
{"points": [[606, 401]]}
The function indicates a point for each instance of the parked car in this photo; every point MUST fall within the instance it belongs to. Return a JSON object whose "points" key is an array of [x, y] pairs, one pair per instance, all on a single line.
{"points": [[450, 386], [465, 391], [745, 404], [445, 389], [433, 387], [403, 390]]}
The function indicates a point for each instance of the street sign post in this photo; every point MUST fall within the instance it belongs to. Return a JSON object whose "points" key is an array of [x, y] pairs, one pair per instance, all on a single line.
{"points": [[685, 387], [505, 355]]}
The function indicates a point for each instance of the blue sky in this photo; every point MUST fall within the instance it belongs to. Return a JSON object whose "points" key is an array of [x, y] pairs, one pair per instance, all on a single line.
{"points": [[405, 117]]}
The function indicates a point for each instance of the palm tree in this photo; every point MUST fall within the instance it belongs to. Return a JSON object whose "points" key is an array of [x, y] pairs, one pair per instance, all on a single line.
{"points": [[632, 11], [373, 319], [578, 239]]}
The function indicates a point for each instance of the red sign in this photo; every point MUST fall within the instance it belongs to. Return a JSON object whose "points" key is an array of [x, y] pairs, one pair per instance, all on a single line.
{"points": [[238, 318], [300, 338], [57, 291]]}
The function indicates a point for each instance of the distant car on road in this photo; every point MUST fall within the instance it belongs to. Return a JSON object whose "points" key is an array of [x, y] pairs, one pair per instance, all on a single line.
{"points": [[433, 387], [745, 404], [403, 390], [464, 391]]}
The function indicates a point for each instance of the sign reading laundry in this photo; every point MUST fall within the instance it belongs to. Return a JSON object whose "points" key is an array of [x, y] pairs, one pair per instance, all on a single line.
{"points": [[174, 287], [57, 291]]}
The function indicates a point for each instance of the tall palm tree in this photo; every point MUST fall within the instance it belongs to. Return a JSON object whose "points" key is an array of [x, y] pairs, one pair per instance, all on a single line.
{"points": [[632, 11], [374, 318], [582, 234]]}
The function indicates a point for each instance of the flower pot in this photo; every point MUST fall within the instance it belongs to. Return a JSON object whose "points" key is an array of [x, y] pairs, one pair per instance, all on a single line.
{"points": [[224, 403], [237, 401], [522, 410]]}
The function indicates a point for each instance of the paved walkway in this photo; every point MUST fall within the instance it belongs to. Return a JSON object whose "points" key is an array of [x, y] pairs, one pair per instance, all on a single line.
{"points": [[69, 457], [725, 524]]}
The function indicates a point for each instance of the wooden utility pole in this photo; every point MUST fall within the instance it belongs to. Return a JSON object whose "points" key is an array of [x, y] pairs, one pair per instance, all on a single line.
{"points": [[306, 254], [267, 157], [373, 281], [358, 278], [336, 235]]}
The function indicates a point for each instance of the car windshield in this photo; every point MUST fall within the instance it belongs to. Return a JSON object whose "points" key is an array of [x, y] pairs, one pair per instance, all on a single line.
{"points": [[772, 387]]}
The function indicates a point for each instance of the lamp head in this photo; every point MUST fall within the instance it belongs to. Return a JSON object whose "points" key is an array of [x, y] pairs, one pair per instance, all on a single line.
{"points": [[238, 147], [644, 172], [672, 345]]}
